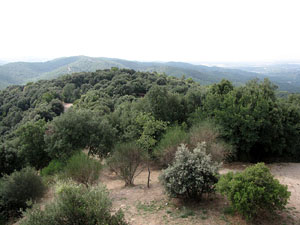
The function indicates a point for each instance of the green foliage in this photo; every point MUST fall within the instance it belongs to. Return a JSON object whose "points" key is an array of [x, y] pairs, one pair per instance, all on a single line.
{"points": [[192, 173], [76, 205], [167, 146], [96, 100], [123, 119], [151, 130], [56, 107], [31, 144], [82, 169], [70, 93], [9, 160], [62, 135], [165, 106], [17, 189], [54, 167], [127, 161], [122, 105], [253, 191], [222, 88], [253, 121], [115, 93]]}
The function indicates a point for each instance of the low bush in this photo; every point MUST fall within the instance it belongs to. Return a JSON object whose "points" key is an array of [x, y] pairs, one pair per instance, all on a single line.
{"points": [[208, 132], [253, 191], [191, 174], [54, 167], [82, 169], [167, 147], [76, 205], [127, 161], [17, 189]]}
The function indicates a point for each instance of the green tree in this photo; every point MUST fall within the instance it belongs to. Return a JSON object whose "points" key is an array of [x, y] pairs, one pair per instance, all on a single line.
{"points": [[70, 93], [75, 130], [164, 105], [251, 119], [152, 130], [31, 144]]}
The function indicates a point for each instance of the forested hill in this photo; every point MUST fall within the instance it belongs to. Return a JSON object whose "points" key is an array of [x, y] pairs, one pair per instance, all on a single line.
{"points": [[113, 105], [23, 72]]}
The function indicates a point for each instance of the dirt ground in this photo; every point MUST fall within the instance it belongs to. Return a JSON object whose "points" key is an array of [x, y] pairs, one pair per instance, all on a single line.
{"points": [[289, 174], [143, 206], [152, 207], [67, 106]]}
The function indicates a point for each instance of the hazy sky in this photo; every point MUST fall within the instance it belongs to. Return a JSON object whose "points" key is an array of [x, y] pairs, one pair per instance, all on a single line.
{"points": [[209, 30]]}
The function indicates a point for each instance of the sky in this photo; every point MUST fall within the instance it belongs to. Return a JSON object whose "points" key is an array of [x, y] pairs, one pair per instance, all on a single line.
{"points": [[155, 30]]}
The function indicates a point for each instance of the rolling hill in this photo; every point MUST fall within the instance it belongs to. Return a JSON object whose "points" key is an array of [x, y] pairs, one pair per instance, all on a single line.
{"points": [[23, 72]]}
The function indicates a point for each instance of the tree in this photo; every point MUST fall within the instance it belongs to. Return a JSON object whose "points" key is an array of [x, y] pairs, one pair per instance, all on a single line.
{"points": [[164, 105], [56, 106], [75, 130], [251, 118], [9, 159], [96, 100], [31, 144], [70, 93], [152, 130]]}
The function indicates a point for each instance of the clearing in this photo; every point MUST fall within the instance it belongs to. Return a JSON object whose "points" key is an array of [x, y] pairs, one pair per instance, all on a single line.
{"points": [[152, 207], [143, 206]]}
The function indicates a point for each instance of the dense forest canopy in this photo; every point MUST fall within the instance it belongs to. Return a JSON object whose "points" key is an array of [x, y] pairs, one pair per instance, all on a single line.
{"points": [[121, 105]]}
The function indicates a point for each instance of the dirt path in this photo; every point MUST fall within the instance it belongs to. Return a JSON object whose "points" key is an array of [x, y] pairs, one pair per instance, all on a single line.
{"points": [[67, 106], [289, 174]]}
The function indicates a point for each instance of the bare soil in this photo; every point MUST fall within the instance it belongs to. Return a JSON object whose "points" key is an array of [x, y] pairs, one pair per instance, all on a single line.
{"points": [[67, 106], [152, 207]]}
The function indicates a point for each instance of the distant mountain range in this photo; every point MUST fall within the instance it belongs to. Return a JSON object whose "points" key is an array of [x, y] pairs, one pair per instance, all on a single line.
{"points": [[286, 76], [2, 62]]}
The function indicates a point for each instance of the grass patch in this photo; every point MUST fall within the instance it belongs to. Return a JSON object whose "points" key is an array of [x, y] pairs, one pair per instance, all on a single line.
{"points": [[187, 213], [149, 207]]}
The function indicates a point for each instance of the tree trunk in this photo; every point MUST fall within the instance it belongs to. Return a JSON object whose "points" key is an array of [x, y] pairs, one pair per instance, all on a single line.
{"points": [[149, 173]]}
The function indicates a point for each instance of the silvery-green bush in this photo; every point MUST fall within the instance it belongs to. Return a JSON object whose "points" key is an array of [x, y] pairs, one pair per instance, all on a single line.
{"points": [[192, 174]]}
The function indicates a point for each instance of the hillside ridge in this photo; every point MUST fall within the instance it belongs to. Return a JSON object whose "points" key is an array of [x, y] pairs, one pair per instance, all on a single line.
{"points": [[22, 72]]}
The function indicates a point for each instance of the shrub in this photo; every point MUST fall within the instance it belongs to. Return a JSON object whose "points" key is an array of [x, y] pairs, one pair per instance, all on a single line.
{"points": [[191, 174], [82, 169], [54, 167], [253, 191], [126, 161], [17, 189], [208, 132], [167, 147], [76, 205]]}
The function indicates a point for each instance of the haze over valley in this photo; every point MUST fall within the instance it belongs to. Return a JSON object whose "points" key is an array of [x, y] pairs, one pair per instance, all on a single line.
{"points": [[286, 76]]}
